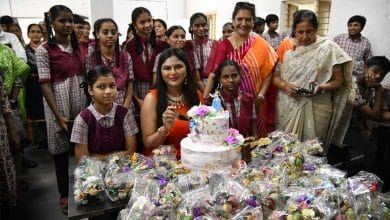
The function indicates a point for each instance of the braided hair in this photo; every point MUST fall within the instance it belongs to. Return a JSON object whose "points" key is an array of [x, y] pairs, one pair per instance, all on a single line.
{"points": [[192, 21], [98, 52], [50, 17], [134, 16]]}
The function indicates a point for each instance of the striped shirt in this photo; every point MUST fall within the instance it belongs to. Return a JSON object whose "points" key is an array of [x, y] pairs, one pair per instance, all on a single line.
{"points": [[201, 57]]}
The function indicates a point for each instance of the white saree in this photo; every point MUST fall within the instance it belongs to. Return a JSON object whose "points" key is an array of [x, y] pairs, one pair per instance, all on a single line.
{"points": [[325, 115]]}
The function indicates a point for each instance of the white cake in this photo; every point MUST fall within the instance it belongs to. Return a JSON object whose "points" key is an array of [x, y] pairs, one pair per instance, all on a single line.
{"points": [[210, 144]]}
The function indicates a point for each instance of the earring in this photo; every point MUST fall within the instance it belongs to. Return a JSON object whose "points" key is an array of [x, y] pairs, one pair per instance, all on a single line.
{"points": [[185, 82]]}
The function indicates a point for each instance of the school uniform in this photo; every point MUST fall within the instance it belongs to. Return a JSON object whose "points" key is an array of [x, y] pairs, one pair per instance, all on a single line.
{"points": [[104, 133], [63, 69]]}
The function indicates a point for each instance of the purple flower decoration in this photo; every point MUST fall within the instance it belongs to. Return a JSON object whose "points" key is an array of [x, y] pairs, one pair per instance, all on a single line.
{"points": [[251, 201], [230, 140], [196, 211], [162, 180], [279, 148], [301, 198], [149, 163], [309, 166], [202, 111], [126, 169], [156, 202]]}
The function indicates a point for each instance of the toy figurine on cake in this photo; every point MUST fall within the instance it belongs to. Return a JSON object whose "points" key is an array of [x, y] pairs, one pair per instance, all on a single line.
{"points": [[210, 143]]}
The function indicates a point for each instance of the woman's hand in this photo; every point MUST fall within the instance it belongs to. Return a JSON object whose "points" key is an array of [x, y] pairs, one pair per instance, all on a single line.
{"points": [[290, 89], [169, 116], [259, 99]]}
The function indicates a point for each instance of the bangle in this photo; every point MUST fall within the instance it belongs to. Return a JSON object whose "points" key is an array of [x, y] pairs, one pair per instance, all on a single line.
{"points": [[260, 96], [283, 85], [163, 131]]}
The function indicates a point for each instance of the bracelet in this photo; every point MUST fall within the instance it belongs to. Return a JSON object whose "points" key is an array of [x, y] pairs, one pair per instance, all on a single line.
{"points": [[163, 131], [283, 85], [260, 96], [18, 82]]}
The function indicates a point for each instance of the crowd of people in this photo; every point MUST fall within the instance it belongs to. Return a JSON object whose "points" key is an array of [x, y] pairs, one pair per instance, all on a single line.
{"points": [[99, 96]]}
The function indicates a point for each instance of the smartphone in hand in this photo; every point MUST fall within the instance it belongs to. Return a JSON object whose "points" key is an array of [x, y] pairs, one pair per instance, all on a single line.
{"points": [[309, 91]]}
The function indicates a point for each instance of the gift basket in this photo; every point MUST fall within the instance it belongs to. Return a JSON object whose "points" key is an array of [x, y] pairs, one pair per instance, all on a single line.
{"points": [[285, 179], [141, 164], [119, 178], [88, 180]]}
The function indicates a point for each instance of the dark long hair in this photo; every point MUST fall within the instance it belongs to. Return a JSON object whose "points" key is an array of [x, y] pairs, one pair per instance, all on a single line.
{"points": [[218, 72], [192, 20], [50, 17], [138, 44], [188, 87], [98, 52]]}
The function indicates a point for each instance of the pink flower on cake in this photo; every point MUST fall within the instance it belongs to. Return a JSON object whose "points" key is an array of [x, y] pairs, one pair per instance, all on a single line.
{"points": [[202, 111], [233, 132]]}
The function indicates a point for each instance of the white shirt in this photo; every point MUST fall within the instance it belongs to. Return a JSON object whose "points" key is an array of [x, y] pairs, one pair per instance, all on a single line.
{"points": [[13, 41]]}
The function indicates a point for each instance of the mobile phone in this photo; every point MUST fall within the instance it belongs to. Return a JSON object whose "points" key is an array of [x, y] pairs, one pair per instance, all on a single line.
{"points": [[301, 90], [309, 91], [312, 87]]}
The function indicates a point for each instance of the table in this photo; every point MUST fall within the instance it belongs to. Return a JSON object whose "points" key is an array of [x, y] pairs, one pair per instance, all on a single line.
{"points": [[93, 208]]}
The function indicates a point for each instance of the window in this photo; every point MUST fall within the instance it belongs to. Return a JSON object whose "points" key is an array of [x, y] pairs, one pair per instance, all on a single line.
{"points": [[320, 7], [211, 17]]}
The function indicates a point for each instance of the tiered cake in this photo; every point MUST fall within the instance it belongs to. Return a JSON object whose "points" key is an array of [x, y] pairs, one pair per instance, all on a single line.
{"points": [[210, 143]]}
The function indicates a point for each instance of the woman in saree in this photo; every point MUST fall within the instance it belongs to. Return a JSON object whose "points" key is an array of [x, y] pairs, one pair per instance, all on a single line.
{"points": [[323, 110], [255, 56]]}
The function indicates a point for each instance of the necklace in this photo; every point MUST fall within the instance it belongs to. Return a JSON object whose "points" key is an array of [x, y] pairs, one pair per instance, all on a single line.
{"points": [[238, 41], [176, 101]]}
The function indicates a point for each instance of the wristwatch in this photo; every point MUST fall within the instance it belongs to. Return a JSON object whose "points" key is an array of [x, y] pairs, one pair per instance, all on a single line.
{"points": [[18, 82]]}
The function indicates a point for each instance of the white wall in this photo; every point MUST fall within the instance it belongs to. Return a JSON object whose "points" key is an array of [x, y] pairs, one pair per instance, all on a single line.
{"points": [[178, 12], [123, 8], [376, 30], [171, 11], [29, 12], [100, 9], [224, 9]]}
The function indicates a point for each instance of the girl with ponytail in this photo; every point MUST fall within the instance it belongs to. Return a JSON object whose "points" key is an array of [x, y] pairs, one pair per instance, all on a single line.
{"points": [[201, 45], [107, 52], [143, 49], [60, 74]]}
